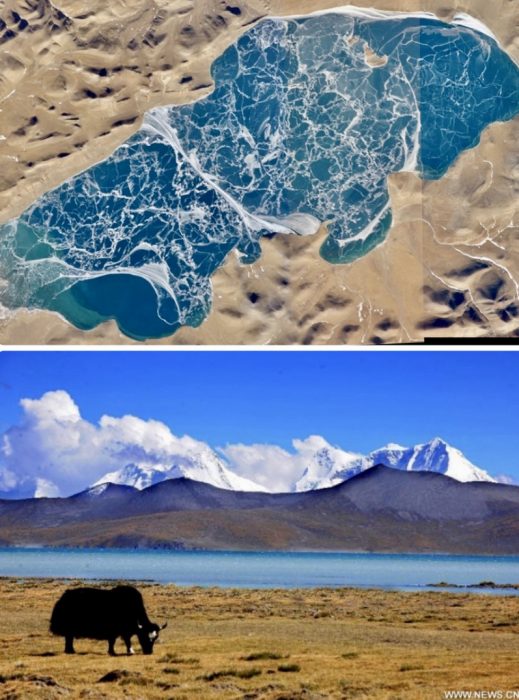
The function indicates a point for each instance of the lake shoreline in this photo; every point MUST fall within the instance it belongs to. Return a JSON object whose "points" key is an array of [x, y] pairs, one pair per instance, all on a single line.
{"points": [[478, 589], [194, 550], [231, 570]]}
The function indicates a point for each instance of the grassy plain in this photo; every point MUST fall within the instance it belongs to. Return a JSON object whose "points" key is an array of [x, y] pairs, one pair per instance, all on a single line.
{"points": [[266, 645]]}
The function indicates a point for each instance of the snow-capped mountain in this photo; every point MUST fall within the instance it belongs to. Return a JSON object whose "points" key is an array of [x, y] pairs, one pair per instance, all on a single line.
{"points": [[325, 465], [434, 456], [201, 464], [329, 465]]}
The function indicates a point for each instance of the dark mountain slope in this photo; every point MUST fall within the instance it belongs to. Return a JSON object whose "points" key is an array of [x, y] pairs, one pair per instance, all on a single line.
{"points": [[381, 509]]}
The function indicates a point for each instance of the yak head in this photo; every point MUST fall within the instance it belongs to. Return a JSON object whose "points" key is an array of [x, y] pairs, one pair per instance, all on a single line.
{"points": [[148, 635]]}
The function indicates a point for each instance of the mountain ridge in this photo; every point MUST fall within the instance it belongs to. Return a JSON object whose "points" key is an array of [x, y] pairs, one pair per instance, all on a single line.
{"points": [[381, 509], [436, 455], [205, 467], [326, 466]]}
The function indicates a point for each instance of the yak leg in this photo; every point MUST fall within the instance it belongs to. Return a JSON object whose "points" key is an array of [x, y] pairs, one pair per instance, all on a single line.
{"points": [[128, 642], [111, 643], [69, 645]]}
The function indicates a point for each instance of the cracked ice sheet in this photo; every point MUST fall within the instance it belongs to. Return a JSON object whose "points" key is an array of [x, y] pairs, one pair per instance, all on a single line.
{"points": [[300, 129]]}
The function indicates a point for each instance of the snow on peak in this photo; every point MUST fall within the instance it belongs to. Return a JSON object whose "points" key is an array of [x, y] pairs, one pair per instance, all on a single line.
{"points": [[321, 465], [330, 466], [98, 490], [439, 456], [437, 441], [435, 455], [326, 465], [199, 464]]}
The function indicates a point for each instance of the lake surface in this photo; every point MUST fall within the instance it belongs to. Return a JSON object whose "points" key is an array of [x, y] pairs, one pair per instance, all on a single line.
{"points": [[308, 118], [261, 569]]}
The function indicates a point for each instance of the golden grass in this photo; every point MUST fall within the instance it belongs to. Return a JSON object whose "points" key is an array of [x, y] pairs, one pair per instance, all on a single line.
{"points": [[266, 645]]}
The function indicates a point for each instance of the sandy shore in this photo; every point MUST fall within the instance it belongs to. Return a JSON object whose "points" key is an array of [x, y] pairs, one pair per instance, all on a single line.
{"points": [[269, 645], [77, 86]]}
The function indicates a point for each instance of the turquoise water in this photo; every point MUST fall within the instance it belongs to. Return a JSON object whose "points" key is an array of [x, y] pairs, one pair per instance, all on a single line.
{"points": [[300, 128], [261, 569]]}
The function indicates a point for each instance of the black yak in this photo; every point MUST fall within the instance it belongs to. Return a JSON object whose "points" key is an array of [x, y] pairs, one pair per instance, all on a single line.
{"points": [[94, 613]]}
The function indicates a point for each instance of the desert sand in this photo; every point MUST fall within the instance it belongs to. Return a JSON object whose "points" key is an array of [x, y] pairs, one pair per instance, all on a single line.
{"points": [[269, 645], [75, 83]]}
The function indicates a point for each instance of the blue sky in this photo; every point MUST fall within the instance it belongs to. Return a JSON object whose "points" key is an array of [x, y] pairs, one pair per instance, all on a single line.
{"points": [[358, 400]]}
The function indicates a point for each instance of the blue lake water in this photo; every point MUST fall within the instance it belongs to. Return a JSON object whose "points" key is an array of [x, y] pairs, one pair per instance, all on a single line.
{"points": [[303, 127], [262, 569]]}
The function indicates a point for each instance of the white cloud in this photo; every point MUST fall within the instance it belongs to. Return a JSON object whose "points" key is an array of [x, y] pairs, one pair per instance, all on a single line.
{"points": [[54, 451], [272, 466], [8, 479], [505, 479], [268, 465], [45, 489], [311, 444], [54, 406]]}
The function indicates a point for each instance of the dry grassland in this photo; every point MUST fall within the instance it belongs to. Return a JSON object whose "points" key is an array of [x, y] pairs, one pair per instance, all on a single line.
{"points": [[281, 644]]}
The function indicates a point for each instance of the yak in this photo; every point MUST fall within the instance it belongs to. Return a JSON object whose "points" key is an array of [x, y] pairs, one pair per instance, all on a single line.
{"points": [[94, 613]]}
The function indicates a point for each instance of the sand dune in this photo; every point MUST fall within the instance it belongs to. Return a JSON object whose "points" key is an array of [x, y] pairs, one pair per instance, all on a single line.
{"points": [[75, 80]]}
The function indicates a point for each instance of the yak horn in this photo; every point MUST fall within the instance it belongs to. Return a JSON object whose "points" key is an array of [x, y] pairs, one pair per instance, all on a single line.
{"points": [[164, 626]]}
